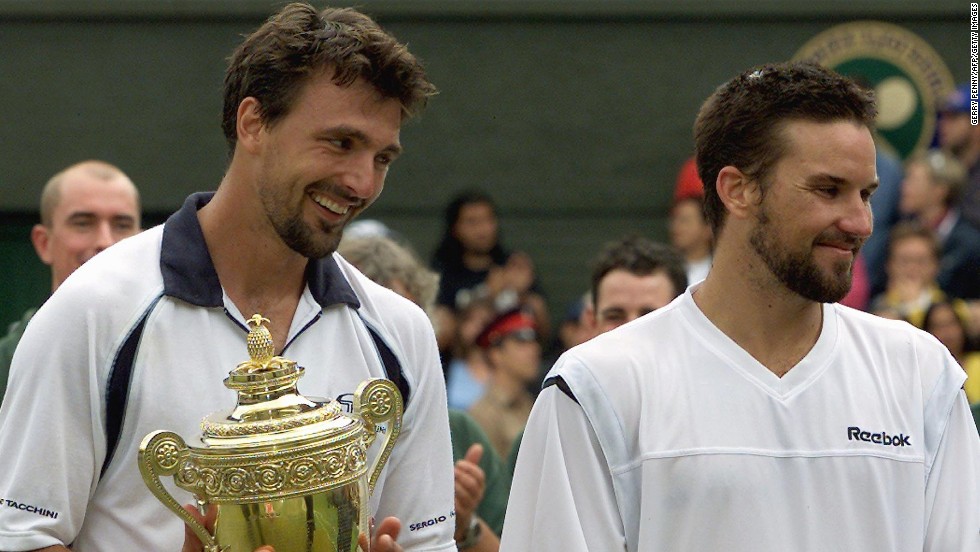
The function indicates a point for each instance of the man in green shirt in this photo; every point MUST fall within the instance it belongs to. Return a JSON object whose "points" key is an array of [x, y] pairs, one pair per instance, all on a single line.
{"points": [[84, 209]]}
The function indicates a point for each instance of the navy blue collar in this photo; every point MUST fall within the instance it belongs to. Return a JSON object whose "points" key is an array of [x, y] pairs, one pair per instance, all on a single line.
{"points": [[189, 275]]}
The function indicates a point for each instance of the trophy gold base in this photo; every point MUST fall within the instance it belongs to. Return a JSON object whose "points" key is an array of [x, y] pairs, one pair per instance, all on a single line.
{"points": [[328, 521]]}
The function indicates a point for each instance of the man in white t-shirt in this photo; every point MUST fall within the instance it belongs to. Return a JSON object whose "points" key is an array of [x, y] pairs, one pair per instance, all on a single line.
{"points": [[141, 337], [754, 413]]}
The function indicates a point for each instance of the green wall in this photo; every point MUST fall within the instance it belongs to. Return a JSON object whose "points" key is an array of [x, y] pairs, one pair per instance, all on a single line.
{"points": [[574, 115]]}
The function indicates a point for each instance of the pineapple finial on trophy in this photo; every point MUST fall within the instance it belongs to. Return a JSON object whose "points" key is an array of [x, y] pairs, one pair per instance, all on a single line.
{"points": [[260, 345]]}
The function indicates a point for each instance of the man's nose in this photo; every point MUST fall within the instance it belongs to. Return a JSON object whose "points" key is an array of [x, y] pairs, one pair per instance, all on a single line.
{"points": [[361, 176], [104, 236], [858, 219]]}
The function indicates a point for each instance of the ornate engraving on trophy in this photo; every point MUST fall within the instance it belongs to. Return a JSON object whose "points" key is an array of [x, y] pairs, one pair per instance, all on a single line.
{"points": [[282, 469]]}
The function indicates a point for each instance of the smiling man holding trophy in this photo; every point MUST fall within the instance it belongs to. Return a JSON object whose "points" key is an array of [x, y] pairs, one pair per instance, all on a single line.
{"points": [[141, 338]]}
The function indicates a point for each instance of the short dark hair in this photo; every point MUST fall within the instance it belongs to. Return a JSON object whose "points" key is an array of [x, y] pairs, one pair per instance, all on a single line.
{"points": [[740, 123], [639, 256], [276, 61]]}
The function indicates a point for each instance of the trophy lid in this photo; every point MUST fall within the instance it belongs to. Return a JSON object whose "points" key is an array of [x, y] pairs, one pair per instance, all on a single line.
{"points": [[270, 410]]}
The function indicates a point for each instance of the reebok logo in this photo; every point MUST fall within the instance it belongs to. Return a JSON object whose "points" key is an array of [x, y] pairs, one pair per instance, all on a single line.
{"points": [[884, 439]]}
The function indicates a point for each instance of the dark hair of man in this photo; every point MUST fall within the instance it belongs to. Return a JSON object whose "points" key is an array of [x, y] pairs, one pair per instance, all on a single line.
{"points": [[449, 253], [641, 257], [741, 123], [276, 61]]}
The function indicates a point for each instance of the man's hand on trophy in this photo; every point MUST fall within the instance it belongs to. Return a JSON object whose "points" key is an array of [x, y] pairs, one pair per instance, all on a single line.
{"points": [[384, 537], [471, 483], [192, 543]]}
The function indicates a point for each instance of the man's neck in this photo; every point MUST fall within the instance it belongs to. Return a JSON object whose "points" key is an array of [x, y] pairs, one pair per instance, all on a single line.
{"points": [[773, 324], [258, 272]]}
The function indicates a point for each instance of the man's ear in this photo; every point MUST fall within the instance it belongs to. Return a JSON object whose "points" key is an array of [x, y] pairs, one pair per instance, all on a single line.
{"points": [[249, 124], [738, 192], [41, 238]]}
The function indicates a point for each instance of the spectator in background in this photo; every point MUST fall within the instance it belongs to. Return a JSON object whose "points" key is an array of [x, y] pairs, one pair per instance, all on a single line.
{"points": [[947, 320], [633, 276], [912, 267], [510, 343], [482, 480], [85, 208], [933, 183], [394, 266], [468, 373], [962, 139], [690, 233], [473, 264]]}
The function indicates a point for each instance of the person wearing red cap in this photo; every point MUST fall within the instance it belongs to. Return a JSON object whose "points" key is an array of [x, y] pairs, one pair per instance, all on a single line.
{"points": [[512, 351]]}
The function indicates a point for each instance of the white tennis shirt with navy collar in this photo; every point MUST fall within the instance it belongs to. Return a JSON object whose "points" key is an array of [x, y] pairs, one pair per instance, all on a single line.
{"points": [[141, 337]]}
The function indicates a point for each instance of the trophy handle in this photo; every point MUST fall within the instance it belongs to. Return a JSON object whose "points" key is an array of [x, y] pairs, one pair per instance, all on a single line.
{"points": [[160, 454], [375, 401]]}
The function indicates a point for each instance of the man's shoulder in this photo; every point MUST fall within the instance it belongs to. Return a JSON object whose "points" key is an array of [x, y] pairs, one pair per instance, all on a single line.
{"points": [[896, 346], [130, 263], [645, 338], [109, 288], [873, 328]]}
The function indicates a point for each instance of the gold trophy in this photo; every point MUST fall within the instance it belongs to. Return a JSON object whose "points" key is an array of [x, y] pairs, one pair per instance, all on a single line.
{"points": [[280, 468]]}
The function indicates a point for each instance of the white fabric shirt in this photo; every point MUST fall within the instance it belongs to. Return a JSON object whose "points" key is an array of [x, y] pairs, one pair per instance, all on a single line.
{"points": [[154, 303], [678, 440]]}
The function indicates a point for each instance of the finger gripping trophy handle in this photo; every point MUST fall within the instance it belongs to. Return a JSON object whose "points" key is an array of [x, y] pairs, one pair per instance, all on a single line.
{"points": [[160, 454], [377, 401]]}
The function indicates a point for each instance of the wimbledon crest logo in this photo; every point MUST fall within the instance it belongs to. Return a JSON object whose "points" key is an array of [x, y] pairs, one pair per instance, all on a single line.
{"points": [[908, 76]]}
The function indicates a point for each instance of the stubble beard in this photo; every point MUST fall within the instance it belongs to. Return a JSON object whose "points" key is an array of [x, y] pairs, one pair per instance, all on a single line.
{"points": [[293, 229], [299, 237], [797, 271]]}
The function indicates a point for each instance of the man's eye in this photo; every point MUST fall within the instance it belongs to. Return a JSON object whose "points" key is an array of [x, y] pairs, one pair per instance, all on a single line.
{"points": [[342, 143], [384, 160]]}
